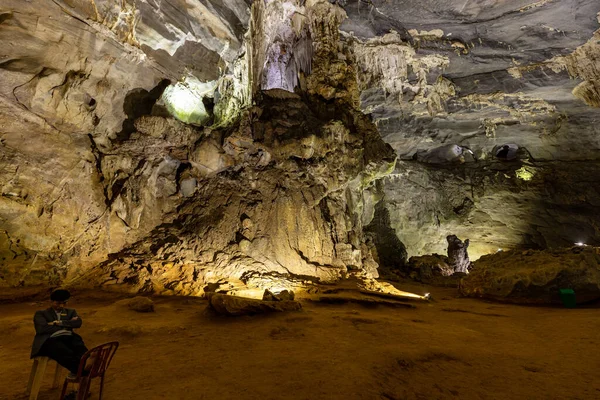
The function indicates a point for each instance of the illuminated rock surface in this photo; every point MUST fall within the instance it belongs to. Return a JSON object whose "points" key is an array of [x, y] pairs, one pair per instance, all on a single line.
{"points": [[536, 277], [236, 306], [100, 184]]}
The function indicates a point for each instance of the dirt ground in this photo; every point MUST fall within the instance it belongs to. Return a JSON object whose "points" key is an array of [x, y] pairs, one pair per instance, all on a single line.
{"points": [[450, 348]]}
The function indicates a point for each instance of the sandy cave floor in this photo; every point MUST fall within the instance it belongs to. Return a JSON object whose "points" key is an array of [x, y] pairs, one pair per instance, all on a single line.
{"points": [[450, 348]]}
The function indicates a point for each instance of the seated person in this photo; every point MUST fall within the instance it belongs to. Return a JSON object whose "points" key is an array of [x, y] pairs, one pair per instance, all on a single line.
{"points": [[54, 336]]}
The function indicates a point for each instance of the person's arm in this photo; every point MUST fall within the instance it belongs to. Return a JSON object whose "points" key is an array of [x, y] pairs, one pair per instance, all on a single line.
{"points": [[74, 322], [41, 324]]}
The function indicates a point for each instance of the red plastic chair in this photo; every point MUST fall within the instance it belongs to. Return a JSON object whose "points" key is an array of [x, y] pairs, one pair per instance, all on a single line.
{"points": [[99, 359]]}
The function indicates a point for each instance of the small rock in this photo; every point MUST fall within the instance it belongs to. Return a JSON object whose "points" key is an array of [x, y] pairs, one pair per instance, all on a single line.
{"points": [[188, 187]]}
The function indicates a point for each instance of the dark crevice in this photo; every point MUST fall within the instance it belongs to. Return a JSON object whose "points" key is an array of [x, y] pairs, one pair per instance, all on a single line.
{"points": [[139, 102], [98, 164], [390, 250]]}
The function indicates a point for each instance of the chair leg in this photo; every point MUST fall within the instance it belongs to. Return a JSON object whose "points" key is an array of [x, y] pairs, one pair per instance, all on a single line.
{"points": [[57, 375], [64, 390], [37, 379], [84, 388], [101, 387], [32, 375]]}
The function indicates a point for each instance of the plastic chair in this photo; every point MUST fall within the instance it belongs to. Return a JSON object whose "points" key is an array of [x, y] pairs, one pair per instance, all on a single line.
{"points": [[37, 375], [99, 359]]}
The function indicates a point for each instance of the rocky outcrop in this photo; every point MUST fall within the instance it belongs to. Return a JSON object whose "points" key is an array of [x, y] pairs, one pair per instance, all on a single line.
{"points": [[490, 108], [108, 181], [291, 211], [497, 204], [536, 277], [457, 81], [458, 255], [74, 76], [235, 306], [432, 269]]}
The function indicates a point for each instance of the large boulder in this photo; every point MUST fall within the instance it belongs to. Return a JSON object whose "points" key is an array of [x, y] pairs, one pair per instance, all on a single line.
{"points": [[433, 269], [535, 277], [235, 306]]}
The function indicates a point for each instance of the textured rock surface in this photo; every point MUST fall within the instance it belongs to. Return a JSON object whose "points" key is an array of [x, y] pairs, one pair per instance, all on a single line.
{"points": [[432, 269], [287, 211], [489, 203], [456, 81], [458, 255], [145, 203], [97, 182], [235, 306], [535, 277], [73, 78], [138, 304]]}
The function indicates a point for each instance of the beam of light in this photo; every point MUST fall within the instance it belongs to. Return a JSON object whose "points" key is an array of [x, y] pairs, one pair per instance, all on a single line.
{"points": [[184, 100], [524, 174]]}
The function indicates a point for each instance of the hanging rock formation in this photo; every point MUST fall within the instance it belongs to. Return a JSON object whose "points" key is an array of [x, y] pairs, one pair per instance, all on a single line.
{"points": [[449, 83]]}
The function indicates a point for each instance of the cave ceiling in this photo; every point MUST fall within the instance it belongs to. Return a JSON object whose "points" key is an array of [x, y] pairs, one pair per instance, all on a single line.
{"points": [[95, 173]]}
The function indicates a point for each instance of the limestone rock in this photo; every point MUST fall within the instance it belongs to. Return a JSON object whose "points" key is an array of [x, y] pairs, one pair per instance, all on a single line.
{"points": [[138, 303], [284, 295], [458, 257], [210, 158], [236, 306], [492, 204], [188, 187], [251, 224], [424, 268], [100, 186], [535, 277]]}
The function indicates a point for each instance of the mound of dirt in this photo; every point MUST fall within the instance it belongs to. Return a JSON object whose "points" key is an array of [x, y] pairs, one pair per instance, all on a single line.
{"points": [[138, 303], [536, 277]]}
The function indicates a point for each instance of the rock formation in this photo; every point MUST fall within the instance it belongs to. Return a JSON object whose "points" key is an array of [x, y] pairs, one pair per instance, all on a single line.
{"points": [[536, 276], [458, 257], [174, 145], [278, 195]]}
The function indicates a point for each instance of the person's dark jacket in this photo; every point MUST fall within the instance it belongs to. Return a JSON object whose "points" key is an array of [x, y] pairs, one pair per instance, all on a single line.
{"points": [[43, 331]]}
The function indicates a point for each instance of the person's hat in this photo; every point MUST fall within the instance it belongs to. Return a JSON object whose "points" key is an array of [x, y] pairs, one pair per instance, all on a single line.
{"points": [[60, 295]]}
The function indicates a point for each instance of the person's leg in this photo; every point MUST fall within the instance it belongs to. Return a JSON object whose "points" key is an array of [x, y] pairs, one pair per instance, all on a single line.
{"points": [[78, 346], [59, 349]]}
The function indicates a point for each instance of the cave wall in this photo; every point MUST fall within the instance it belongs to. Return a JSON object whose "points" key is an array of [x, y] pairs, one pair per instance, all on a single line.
{"points": [[74, 75], [284, 213], [454, 82], [143, 202], [99, 184]]}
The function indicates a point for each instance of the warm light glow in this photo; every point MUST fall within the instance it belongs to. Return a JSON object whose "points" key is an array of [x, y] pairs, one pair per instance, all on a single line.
{"points": [[498, 251], [579, 244], [277, 289], [183, 99], [524, 174]]}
